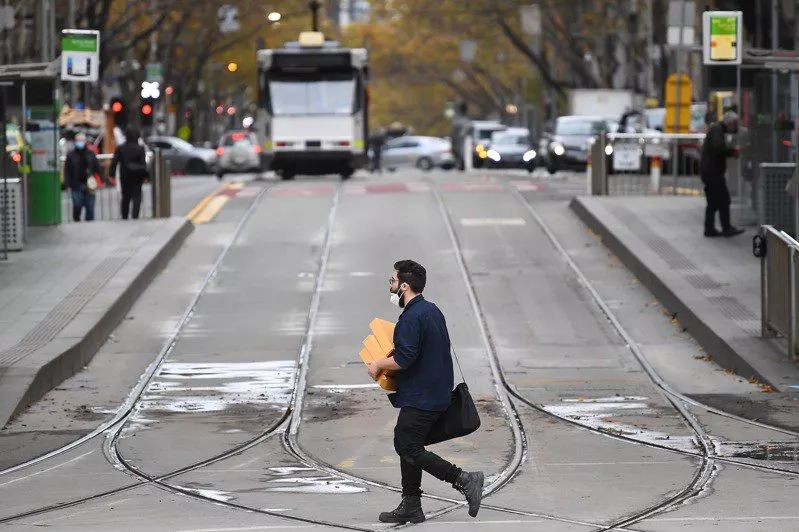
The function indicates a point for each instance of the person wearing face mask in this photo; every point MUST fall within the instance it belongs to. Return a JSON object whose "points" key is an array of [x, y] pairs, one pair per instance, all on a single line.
{"points": [[422, 367], [81, 164]]}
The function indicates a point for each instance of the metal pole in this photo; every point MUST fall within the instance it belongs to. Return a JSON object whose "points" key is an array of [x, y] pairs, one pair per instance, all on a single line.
{"points": [[25, 161], [738, 162], [775, 28], [4, 170], [314, 5], [678, 68], [650, 74], [73, 86]]}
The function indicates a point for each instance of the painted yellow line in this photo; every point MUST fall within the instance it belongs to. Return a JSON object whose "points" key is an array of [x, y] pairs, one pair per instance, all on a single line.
{"points": [[200, 206], [211, 210], [347, 463]]}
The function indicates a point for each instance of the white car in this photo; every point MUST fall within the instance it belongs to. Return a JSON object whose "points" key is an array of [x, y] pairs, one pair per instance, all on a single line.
{"points": [[238, 151]]}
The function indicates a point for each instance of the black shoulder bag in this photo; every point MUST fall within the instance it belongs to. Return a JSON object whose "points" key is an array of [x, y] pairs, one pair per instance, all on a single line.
{"points": [[461, 418]]}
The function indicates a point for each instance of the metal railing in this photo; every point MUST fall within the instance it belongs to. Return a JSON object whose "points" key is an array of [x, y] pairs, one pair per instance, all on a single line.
{"points": [[779, 285], [645, 163], [156, 197]]}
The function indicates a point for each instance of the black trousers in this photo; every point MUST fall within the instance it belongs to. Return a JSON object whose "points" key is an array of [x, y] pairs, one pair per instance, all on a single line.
{"points": [[718, 199], [409, 436], [131, 194]]}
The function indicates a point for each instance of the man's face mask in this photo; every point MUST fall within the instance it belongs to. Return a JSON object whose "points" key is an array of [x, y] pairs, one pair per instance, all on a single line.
{"points": [[396, 297], [80, 145]]}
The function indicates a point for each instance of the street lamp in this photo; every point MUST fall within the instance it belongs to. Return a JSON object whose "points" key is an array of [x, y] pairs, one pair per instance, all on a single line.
{"points": [[274, 16]]}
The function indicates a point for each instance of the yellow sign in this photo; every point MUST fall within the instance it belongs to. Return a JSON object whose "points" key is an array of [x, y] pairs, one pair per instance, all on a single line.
{"points": [[679, 117]]}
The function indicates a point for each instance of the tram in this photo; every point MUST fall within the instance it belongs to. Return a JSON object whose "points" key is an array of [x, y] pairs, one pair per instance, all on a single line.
{"points": [[313, 116]]}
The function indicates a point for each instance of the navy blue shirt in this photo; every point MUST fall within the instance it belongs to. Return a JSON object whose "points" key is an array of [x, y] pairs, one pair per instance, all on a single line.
{"points": [[422, 350]]}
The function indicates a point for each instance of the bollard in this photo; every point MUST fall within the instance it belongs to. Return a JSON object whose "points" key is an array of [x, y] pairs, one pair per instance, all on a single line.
{"points": [[468, 150], [588, 173], [161, 187], [655, 175]]}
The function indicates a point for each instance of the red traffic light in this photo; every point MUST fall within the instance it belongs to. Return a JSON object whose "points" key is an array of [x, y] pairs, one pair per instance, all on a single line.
{"points": [[146, 109], [116, 107]]}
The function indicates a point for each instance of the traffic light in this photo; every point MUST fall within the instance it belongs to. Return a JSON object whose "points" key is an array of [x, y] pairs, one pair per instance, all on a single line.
{"points": [[146, 111], [120, 112]]}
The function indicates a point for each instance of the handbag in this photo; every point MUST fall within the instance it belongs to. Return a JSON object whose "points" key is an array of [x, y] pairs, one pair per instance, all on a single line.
{"points": [[91, 184], [461, 418]]}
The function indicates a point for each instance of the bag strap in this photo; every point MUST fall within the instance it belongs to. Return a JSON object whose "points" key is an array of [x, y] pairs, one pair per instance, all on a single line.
{"points": [[452, 348]]}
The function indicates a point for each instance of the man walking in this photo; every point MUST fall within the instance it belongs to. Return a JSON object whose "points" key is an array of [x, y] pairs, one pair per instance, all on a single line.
{"points": [[423, 373], [713, 170], [80, 165], [132, 160]]}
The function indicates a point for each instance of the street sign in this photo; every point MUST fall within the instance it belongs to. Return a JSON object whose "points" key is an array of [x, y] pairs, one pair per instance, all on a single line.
{"points": [[681, 21], [7, 18], [722, 37], [468, 51], [680, 118], [626, 157], [154, 72], [531, 20], [80, 55], [228, 18]]}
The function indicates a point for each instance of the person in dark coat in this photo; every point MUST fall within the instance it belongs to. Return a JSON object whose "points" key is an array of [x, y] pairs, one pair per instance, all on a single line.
{"points": [[80, 165], [423, 367], [713, 170], [376, 142], [132, 160]]}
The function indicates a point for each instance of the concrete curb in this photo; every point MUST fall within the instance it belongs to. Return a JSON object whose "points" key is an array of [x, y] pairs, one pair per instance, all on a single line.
{"points": [[76, 345], [730, 346]]}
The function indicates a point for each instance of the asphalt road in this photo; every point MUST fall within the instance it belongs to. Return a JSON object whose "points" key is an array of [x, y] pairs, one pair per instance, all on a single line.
{"points": [[233, 398]]}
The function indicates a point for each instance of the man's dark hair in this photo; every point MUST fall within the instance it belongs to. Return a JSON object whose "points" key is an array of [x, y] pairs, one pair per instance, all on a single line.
{"points": [[412, 273], [132, 135]]}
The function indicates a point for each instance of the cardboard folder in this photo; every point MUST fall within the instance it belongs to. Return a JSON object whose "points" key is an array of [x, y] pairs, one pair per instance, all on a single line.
{"points": [[380, 344]]}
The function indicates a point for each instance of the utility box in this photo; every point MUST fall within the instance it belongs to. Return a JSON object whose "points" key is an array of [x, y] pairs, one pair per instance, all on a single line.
{"points": [[12, 215]]}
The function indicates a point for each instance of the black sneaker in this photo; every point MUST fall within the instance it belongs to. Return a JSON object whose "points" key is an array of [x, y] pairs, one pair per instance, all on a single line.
{"points": [[732, 231], [712, 234], [408, 511], [471, 485]]}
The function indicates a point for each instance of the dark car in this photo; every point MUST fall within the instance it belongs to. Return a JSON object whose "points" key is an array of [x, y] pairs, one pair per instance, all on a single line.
{"points": [[185, 158], [512, 148], [566, 148]]}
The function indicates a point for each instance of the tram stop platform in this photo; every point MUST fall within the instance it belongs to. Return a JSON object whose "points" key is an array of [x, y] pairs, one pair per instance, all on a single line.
{"points": [[711, 286], [62, 297]]}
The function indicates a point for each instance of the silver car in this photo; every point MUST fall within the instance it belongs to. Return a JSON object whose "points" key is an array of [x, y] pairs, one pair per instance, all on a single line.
{"points": [[185, 158], [424, 153]]}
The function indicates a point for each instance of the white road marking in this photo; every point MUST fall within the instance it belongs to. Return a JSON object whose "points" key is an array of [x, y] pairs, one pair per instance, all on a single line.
{"points": [[336, 387], [361, 274], [483, 222], [235, 529], [742, 518], [46, 470]]}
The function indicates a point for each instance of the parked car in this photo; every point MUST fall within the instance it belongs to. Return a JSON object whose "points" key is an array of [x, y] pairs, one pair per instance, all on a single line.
{"points": [[238, 151], [185, 158], [424, 153], [566, 147], [512, 148]]}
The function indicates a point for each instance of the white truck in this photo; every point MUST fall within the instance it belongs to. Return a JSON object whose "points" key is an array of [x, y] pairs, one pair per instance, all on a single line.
{"points": [[611, 103]]}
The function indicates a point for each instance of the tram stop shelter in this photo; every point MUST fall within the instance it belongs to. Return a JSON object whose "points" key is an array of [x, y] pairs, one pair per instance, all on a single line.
{"points": [[29, 100]]}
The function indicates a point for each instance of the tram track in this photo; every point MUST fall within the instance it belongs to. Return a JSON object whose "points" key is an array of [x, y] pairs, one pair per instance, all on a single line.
{"points": [[288, 425], [708, 455]]}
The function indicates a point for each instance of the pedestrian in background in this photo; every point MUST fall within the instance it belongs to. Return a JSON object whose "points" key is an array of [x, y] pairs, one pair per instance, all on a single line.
{"points": [[81, 170], [713, 171], [376, 142], [132, 161], [423, 371]]}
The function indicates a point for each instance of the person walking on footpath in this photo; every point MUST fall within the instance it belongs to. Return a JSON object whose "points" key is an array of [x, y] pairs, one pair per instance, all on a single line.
{"points": [[132, 161], [80, 169], [713, 170], [423, 371]]}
